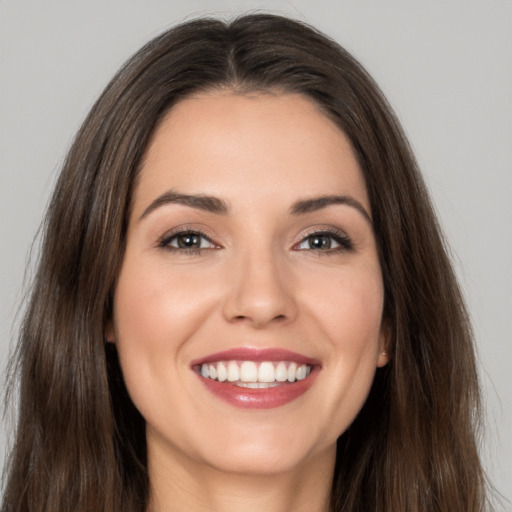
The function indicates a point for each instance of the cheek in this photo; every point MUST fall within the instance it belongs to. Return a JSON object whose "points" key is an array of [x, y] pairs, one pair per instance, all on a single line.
{"points": [[349, 307], [156, 308], [348, 313], [156, 313]]}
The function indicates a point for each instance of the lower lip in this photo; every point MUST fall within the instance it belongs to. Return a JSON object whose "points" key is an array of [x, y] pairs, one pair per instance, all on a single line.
{"points": [[265, 398]]}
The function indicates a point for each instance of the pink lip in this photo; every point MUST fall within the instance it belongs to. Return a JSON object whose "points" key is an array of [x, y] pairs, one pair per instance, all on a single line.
{"points": [[256, 355], [265, 398]]}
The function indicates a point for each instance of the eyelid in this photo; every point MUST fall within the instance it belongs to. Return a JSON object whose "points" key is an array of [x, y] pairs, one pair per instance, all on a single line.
{"points": [[343, 241], [339, 236], [164, 241]]}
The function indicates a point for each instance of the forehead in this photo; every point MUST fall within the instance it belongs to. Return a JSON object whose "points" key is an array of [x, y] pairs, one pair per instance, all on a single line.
{"points": [[270, 146]]}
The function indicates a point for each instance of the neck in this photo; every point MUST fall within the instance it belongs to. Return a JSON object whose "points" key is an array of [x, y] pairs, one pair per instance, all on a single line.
{"points": [[186, 485]]}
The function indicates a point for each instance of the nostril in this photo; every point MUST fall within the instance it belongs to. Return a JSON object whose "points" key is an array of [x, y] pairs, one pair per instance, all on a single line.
{"points": [[245, 318], [258, 305]]}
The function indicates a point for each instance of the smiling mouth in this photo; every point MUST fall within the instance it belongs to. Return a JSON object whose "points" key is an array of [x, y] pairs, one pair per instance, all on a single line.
{"points": [[257, 378], [255, 375]]}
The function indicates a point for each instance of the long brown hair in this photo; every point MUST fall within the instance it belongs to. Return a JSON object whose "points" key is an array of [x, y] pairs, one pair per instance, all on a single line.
{"points": [[80, 442]]}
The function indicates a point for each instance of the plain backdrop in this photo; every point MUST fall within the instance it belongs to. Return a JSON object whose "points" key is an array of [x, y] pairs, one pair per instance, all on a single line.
{"points": [[444, 65]]}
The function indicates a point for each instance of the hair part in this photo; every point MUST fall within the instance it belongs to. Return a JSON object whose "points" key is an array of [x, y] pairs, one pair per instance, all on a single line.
{"points": [[80, 441]]}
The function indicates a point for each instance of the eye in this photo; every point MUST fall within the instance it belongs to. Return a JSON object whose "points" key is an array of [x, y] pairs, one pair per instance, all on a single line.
{"points": [[325, 241], [187, 241]]}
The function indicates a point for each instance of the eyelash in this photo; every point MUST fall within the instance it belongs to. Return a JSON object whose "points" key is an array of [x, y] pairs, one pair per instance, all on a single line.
{"points": [[339, 237], [344, 242], [166, 240]]}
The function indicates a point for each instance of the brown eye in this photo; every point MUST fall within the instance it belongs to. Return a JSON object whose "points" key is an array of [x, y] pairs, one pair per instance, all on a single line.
{"points": [[325, 242], [187, 241], [319, 242]]}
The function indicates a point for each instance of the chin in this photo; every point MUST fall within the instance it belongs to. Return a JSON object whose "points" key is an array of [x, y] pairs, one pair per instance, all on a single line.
{"points": [[258, 461], [264, 451]]}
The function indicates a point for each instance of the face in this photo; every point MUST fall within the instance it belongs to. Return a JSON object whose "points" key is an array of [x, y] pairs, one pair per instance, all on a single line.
{"points": [[248, 308]]}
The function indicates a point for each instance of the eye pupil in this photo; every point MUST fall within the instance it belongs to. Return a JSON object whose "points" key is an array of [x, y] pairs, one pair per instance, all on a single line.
{"points": [[319, 242], [189, 240]]}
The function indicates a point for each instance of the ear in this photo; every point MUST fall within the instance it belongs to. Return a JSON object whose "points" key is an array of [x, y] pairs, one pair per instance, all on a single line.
{"points": [[110, 334], [384, 344]]}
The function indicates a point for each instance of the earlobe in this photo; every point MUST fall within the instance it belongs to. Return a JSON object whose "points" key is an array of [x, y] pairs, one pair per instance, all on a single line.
{"points": [[110, 336], [383, 359], [384, 345]]}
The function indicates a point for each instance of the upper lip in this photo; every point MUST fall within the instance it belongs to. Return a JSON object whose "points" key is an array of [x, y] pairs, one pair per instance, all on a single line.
{"points": [[256, 355]]}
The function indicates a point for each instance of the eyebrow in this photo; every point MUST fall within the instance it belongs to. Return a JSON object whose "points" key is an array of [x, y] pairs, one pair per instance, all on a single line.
{"points": [[218, 206], [317, 203], [201, 202]]}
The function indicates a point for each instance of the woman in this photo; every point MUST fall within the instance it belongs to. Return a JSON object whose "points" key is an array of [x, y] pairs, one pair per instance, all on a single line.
{"points": [[243, 298]]}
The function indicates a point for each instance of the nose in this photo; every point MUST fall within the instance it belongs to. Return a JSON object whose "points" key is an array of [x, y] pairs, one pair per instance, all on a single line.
{"points": [[260, 292]]}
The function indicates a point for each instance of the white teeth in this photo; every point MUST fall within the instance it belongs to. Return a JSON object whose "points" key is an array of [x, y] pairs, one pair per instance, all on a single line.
{"points": [[266, 372], [248, 372], [222, 373], [233, 372], [263, 385], [254, 375], [292, 371], [257, 385], [301, 372], [281, 372]]}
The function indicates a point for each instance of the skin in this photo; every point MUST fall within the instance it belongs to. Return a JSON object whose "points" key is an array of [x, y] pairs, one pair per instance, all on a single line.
{"points": [[257, 282]]}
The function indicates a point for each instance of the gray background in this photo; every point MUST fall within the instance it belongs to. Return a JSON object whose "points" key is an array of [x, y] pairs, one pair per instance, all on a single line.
{"points": [[444, 65]]}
